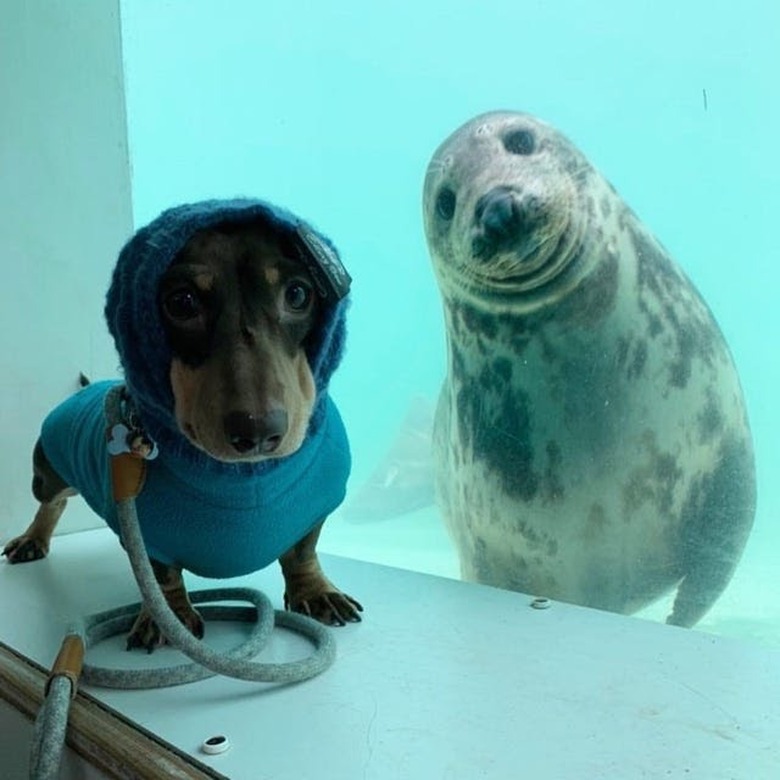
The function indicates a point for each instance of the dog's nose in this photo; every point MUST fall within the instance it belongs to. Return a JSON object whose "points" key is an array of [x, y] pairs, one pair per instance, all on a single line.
{"points": [[247, 432]]}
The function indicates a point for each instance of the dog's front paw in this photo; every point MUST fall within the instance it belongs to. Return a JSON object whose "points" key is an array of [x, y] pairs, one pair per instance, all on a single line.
{"points": [[330, 606], [146, 634], [25, 548]]}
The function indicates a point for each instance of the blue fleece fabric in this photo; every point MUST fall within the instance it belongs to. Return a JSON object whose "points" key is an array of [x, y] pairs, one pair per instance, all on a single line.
{"points": [[213, 518], [225, 526]]}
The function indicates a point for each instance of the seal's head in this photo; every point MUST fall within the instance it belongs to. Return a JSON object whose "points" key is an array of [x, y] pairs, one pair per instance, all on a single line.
{"points": [[503, 206], [137, 322]]}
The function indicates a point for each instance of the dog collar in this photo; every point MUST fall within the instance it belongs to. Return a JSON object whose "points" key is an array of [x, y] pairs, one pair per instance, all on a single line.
{"points": [[128, 445]]}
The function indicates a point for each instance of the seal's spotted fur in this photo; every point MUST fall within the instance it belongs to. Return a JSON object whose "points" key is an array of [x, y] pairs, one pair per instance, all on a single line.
{"points": [[591, 438]]}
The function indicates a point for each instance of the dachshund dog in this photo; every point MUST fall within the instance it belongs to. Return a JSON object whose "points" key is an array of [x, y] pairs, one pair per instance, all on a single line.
{"points": [[228, 317]]}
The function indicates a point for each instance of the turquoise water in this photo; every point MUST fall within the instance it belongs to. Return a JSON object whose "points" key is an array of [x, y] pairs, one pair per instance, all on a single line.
{"points": [[334, 109]]}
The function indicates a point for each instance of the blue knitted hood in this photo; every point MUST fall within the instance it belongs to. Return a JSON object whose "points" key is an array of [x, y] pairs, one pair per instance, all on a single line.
{"points": [[134, 319]]}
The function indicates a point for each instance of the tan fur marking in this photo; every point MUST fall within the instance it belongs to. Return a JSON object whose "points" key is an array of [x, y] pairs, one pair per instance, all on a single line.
{"points": [[204, 281], [309, 591], [186, 384], [272, 275]]}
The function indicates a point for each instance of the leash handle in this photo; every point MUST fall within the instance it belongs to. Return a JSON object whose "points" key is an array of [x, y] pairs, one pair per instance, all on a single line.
{"points": [[68, 663]]}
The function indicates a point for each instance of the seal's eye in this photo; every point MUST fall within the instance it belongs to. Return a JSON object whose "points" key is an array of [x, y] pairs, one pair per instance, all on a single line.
{"points": [[298, 296], [182, 305], [520, 142], [445, 203]]}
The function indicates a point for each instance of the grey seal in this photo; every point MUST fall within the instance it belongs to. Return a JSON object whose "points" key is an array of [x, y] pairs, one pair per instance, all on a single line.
{"points": [[591, 441]]}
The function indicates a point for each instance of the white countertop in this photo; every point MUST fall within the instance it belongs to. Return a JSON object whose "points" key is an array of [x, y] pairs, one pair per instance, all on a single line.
{"points": [[442, 679]]}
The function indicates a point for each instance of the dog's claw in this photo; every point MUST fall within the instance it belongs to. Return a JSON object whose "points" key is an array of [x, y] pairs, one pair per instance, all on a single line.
{"points": [[332, 608], [146, 634], [24, 549]]}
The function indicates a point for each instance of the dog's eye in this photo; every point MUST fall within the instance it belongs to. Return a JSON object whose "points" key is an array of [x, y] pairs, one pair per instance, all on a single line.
{"points": [[297, 296], [182, 305]]}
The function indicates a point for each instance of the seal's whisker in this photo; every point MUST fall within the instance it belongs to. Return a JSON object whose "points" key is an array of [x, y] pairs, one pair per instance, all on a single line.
{"points": [[436, 166]]}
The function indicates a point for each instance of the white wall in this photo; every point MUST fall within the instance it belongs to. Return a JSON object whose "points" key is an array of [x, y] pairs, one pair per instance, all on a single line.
{"points": [[65, 211]]}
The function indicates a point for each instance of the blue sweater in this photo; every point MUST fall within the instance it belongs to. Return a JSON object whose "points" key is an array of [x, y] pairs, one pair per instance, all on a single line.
{"points": [[214, 522]]}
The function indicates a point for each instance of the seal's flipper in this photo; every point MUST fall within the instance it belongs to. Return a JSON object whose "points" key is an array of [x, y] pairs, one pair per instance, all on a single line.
{"points": [[719, 516]]}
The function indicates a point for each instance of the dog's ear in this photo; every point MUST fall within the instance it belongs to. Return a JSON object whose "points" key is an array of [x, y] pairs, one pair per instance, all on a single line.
{"points": [[323, 263]]}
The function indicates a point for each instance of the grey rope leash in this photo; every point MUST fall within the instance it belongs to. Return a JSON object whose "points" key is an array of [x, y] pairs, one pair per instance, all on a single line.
{"points": [[231, 665], [49, 731], [51, 722]]}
